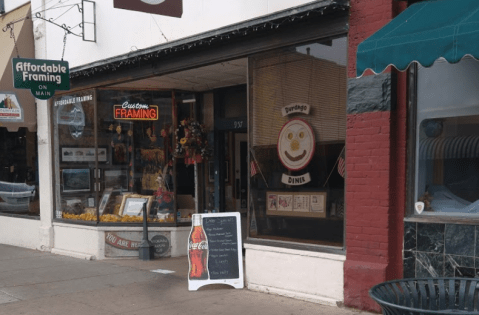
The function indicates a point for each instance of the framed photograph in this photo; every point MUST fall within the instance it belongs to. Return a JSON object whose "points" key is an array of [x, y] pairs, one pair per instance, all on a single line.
{"points": [[104, 199], [76, 180], [116, 179], [79, 155], [211, 171], [133, 204]]}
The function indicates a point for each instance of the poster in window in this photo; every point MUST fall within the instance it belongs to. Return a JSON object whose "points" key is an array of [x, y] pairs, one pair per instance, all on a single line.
{"points": [[272, 200], [301, 203], [318, 202], [285, 202]]}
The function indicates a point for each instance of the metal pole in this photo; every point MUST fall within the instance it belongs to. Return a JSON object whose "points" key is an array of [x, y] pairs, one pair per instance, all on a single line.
{"points": [[147, 249]]}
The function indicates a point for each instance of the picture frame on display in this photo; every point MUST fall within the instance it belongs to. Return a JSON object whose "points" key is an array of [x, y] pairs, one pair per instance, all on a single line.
{"points": [[133, 204]]}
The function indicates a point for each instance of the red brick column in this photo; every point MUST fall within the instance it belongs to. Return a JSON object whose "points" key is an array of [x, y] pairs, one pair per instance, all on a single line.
{"points": [[375, 183]]}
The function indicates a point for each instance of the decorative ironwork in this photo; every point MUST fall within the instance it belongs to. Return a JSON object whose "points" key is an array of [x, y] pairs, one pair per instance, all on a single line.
{"points": [[84, 19], [66, 28]]}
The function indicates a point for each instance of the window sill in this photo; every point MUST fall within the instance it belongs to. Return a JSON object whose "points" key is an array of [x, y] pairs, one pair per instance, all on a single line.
{"points": [[20, 216], [457, 218], [296, 246], [118, 226]]}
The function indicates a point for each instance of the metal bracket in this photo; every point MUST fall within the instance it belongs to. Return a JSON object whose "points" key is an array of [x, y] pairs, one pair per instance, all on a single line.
{"points": [[88, 20], [10, 26]]}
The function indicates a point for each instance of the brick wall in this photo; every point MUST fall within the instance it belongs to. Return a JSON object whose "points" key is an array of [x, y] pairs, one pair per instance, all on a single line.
{"points": [[376, 156]]}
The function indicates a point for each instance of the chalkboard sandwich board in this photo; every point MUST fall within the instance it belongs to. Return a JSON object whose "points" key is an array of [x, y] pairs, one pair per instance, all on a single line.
{"points": [[215, 250]]}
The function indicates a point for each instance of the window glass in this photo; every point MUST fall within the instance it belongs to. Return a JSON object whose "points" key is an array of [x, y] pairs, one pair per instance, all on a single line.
{"points": [[19, 172], [297, 143], [114, 155], [447, 140], [74, 141]]}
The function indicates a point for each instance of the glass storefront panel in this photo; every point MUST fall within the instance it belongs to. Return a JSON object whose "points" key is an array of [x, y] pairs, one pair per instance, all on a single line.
{"points": [[75, 156], [136, 127], [19, 189], [447, 140], [120, 149], [297, 143]]}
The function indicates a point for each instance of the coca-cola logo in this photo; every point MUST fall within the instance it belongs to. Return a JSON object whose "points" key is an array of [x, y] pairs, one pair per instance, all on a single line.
{"points": [[200, 245]]}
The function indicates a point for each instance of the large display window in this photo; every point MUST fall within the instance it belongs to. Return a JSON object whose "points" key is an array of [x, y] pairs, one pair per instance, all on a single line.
{"points": [[297, 143], [19, 188], [120, 151], [447, 140]]}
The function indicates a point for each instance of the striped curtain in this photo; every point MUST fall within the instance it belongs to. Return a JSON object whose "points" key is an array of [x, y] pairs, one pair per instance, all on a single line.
{"points": [[458, 147]]}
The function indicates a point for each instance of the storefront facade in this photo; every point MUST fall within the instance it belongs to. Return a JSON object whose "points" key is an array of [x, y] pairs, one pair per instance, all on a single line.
{"points": [[193, 125], [435, 139], [261, 113], [284, 73]]}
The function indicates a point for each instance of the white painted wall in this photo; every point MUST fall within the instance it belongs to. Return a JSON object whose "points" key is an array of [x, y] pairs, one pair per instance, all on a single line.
{"points": [[179, 241], [20, 232], [121, 31], [88, 242], [305, 275], [77, 240]]}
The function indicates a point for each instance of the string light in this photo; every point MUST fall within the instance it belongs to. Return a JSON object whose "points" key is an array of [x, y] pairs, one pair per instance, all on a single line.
{"points": [[208, 41]]}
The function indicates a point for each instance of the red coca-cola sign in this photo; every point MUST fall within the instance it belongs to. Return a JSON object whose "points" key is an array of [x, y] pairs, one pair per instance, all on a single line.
{"points": [[198, 251], [172, 8]]}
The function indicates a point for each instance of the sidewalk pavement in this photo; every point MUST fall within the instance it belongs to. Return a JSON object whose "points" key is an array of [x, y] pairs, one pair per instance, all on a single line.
{"points": [[34, 282]]}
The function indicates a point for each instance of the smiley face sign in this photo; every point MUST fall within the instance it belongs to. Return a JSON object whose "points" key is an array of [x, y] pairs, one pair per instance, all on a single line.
{"points": [[296, 144]]}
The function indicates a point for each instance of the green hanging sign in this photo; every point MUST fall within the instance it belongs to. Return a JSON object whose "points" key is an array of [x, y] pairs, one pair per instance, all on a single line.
{"points": [[41, 77]]}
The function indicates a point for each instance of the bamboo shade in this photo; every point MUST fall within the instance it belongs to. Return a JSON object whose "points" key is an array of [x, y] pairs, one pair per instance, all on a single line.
{"points": [[291, 77]]}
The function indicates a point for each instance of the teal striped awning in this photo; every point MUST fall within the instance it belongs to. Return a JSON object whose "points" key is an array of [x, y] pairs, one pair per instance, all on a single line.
{"points": [[423, 33]]}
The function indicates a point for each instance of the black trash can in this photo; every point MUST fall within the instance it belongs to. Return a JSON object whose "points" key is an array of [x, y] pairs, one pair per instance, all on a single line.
{"points": [[428, 296]]}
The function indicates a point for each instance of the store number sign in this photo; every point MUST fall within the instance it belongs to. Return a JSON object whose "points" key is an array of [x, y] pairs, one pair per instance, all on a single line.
{"points": [[41, 77]]}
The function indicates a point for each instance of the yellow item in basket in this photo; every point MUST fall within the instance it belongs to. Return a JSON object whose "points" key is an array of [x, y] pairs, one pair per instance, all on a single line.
{"points": [[90, 210], [110, 218]]}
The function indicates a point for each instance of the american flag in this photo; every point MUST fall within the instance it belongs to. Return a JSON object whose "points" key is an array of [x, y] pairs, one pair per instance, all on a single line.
{"points": [[253, 168], [342, 165]]}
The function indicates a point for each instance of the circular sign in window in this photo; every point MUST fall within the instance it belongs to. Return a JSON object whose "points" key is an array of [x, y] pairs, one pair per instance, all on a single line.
{"points": [[296, 144]]}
